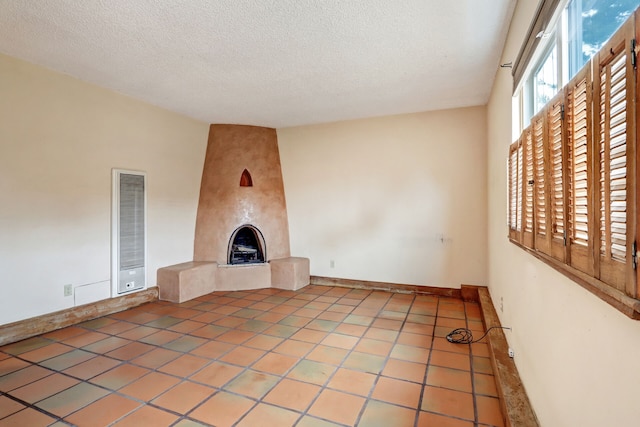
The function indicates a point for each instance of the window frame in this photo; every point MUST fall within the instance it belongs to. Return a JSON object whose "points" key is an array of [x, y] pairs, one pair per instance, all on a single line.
{"points": [[554, 43], [550, 28]]}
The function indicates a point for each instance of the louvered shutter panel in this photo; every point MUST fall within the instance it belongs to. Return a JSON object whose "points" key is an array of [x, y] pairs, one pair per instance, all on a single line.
{"points": [[513, 192], [512, 196], [615, 148], [519, 190], [555, 136], [579, 144], [540, 186], [527, 195]]}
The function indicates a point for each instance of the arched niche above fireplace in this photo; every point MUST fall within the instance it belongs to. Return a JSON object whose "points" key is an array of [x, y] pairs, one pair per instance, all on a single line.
{"points": [[245, 179], [246, 246]]}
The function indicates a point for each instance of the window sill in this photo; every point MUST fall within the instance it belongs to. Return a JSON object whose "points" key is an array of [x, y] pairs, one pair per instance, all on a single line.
{"points": [[619, 300]]}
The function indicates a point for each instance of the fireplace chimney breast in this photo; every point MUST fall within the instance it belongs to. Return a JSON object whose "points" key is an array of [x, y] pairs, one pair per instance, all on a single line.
{"points": [[225, 206]]}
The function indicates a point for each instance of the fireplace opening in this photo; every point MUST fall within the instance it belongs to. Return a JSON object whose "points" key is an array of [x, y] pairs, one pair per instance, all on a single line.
{"points": [[246, 246]]}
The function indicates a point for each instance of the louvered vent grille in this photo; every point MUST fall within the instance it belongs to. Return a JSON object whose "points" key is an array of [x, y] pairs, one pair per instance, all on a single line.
{"points": [[131, 221], [129, 231]]}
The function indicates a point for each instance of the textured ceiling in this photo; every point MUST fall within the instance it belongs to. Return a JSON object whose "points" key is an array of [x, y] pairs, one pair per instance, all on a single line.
{"points": [[274, 63]]}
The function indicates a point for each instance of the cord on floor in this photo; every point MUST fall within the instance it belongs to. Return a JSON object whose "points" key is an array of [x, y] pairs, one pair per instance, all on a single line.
{"points": [[464, 335]]}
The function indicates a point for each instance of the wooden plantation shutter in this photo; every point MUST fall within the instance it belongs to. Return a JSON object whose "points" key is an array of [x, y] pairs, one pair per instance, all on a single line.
{"points": [[542, 241], [633, 171], [579, 144], [614, 84], [514, 193], [512, 212], [527, 189], [555, 143], [519, 190], [573, 176]]}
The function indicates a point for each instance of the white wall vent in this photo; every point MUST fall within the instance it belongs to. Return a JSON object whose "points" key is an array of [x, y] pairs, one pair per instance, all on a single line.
{"points": [[128, 232]]}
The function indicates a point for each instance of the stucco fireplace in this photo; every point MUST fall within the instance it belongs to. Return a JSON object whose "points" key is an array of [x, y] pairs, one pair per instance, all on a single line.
{"points": [[242, 231]]}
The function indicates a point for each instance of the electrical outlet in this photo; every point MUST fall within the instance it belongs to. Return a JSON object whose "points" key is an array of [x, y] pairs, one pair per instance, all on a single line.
{"points": [[501, 305], [332, 263], [68, 290], [511, 353]]}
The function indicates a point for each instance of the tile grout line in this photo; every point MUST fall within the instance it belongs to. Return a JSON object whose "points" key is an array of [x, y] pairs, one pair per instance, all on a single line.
{"points": [[427, 363], [218, 390], [110, 391], [456, 369], [471, 370], [122, 362], [30, 406], [369, 396], [395, 341], [260, 400], [246, 368], [304, 412], [346, 356]]}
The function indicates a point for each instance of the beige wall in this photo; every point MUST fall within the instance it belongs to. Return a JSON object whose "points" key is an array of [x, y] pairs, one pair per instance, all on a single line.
{"points": [[59, 139], [577, 356], [395, 199]]}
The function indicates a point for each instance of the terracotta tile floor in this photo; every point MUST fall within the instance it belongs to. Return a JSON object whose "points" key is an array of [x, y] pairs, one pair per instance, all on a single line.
{"points": [[322, 356]]}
